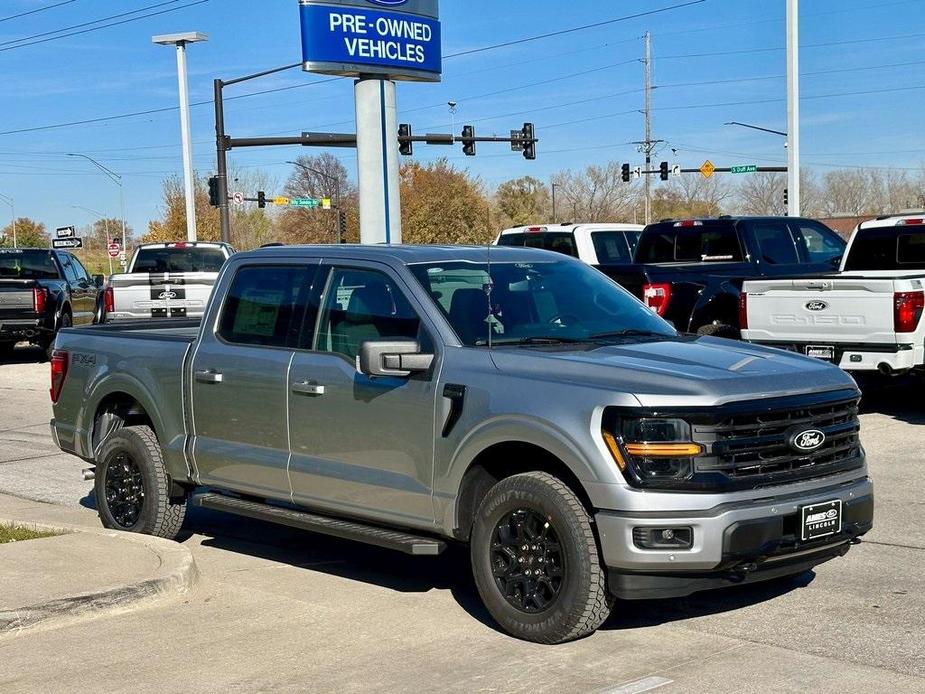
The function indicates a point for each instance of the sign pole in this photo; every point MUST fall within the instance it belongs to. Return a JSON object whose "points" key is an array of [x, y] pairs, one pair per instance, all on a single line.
{"points": [[793, 107], [378, 162]]}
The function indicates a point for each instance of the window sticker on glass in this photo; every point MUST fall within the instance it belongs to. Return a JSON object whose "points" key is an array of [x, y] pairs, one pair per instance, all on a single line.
{"points": [[258, 312]]}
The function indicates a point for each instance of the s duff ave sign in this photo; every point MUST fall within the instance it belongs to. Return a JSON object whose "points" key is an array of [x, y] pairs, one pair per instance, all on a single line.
{"points": [[392, 39]]}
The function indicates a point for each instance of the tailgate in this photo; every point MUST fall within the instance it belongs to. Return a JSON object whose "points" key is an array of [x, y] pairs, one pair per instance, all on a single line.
{"points": [[160, 295], [16, 298], [821, 311]]}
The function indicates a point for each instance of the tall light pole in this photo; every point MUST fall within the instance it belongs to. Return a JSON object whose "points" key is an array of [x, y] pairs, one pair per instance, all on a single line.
{"points": [[793, 107], [115, 178], [336, 191], [101, 218], [555, 219], [180, 41], [12, 204]]}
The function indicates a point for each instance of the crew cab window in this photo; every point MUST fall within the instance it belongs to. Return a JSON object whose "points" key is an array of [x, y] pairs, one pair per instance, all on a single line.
{"points": [[361, 306], [817, 243], [910, 251], [690, 244], [179, 259], [79, 269], [27, 265], [885, 248], [265, 305], [70, 273], [612, 247], [775, 243], [559, 242]]}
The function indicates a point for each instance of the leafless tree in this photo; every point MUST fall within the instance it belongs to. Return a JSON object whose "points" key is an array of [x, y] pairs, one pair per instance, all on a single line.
{"points": [[597, 194]]}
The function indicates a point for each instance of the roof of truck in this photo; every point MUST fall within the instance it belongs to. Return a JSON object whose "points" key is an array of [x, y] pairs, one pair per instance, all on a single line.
{"points": [[408, 255]]}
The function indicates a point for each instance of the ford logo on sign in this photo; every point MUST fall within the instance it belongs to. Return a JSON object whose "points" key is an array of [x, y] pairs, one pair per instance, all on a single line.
{"points": [[816, 306], [807, 441]]}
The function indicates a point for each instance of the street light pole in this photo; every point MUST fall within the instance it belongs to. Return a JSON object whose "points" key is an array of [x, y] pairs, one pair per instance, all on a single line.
{"points": [[115, 178], [555, 219], [180, 41], [9, 201], [793, 107], [336, 191]]}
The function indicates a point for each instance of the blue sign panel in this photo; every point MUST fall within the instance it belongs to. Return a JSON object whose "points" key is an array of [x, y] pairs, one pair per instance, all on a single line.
{"points": [[351, 41]]}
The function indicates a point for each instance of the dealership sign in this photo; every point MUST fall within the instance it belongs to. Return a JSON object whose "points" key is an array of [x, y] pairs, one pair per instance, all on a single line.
{"points": [[392, 39]]}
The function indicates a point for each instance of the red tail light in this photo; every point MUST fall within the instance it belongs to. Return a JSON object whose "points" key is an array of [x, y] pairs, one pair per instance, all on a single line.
{"points": [[59, 363], [656, 297], [109, 300], [907, 311], [743, 311], [39, 300]]}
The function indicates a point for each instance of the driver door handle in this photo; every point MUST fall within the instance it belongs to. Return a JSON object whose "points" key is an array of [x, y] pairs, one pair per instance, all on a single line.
{"points": [[307, 388], [209, 376]]}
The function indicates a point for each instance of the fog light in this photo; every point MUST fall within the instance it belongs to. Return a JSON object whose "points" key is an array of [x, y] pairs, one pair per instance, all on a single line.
{"points": [[663, 538]]}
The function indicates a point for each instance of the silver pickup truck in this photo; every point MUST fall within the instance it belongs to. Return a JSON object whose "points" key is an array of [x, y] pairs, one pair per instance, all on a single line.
{"points": [[512, 399]]}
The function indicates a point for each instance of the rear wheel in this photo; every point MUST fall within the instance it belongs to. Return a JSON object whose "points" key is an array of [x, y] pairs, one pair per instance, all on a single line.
{"points": [[536, 562], [133, 488], [64, 322]]}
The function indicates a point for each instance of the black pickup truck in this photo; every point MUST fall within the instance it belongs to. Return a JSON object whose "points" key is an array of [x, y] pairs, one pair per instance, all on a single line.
{"points": [[42, 291], [691, 271]]}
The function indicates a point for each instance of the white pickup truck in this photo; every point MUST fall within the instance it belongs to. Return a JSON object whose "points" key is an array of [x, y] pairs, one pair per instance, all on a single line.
{"points": [[865, 317], [165, 280], [594, 244]]}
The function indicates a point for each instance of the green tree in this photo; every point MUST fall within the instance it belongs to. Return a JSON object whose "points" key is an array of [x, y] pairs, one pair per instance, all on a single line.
{"points": [[523, 201], [441, 204], [28, 234]]}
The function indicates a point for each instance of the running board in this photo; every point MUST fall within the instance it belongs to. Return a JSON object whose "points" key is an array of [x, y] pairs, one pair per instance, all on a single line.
{"points": [[347, 530]]}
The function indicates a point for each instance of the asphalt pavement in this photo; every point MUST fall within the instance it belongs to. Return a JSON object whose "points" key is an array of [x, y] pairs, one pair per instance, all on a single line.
{"points": [[280, 610]]}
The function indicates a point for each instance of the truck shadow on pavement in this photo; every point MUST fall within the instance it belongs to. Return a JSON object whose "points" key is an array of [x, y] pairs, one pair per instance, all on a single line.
{"points": [[899, 397], [24, 355]]}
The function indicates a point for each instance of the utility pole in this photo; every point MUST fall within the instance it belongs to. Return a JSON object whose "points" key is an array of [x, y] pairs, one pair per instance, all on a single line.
{"points": [[555, 219], [648, 143], [9, 201], [793, 107]]}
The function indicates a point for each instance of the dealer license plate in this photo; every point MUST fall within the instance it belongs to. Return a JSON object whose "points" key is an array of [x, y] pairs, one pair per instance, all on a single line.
{"points": [[821, 520], [821, 352]]}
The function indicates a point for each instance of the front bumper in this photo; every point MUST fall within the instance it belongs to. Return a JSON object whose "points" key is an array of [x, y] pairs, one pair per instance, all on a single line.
{"points": [[733, 543]]}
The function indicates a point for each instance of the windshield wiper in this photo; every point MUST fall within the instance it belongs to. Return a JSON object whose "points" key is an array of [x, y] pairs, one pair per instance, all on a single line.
{"points": [[629, 332], [533, 340]]}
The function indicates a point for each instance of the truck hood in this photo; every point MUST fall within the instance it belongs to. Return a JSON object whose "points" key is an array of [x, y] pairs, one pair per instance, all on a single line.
{"points": [[699, 371]]}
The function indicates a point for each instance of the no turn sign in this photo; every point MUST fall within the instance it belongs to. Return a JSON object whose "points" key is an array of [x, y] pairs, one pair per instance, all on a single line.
{"points": [[114, 250], [238, 198]]}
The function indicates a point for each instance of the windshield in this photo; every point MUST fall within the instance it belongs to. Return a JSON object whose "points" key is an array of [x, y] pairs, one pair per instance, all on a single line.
{"points": [[179, 260], [27, 265], [558, 241], [555, 301]]}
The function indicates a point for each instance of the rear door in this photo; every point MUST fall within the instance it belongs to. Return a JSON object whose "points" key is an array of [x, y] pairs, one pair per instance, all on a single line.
{"points": [[362, 445], [240, 380], [83, 291]]}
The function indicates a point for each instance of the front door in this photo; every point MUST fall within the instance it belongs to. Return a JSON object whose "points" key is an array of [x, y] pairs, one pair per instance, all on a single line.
{"points": [[83, 291], [240, 381], [362, 445]]}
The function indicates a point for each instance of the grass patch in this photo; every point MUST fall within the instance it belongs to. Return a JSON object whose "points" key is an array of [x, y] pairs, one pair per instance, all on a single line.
{"points": [[20, 533]]}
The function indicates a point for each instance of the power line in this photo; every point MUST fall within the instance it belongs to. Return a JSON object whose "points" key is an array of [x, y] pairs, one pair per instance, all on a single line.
{"points": [[826, 44], [595, 25], [36, 11]]}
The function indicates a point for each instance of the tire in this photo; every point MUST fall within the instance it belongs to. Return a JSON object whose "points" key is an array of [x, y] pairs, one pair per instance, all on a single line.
{"points": [[133, 488], [581, 603], [64, 322], [720, 330]]}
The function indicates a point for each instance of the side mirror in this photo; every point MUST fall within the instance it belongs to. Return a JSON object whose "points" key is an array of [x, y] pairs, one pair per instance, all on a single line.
{"points": [[399, 358], [99, 281]]}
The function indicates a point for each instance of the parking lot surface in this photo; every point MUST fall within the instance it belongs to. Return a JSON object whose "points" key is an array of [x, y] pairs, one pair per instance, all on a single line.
{"points": [[277, 609]]}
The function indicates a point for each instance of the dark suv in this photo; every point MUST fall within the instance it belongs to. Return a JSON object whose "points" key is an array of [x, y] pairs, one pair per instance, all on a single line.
{"points": [[691, 271]]}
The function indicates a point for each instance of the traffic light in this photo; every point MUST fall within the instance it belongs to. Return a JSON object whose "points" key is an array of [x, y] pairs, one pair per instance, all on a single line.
{"points": [[625, 173], [663, 171], [261, 199], [214, 197], [406, 148], [529, 140], [342, 226], [468, 140], [786, 196]]}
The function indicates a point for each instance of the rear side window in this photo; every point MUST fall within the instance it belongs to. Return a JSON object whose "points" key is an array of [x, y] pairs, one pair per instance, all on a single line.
{"points": [[20, 264], [775, 243], [887, 249], [611, 247], [560, 242], [817, 243], [706, 244], [179, 260], [265, 305]]}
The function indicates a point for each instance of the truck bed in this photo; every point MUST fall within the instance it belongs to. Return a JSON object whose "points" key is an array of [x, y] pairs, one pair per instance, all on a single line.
{"points": [[163, 330]]}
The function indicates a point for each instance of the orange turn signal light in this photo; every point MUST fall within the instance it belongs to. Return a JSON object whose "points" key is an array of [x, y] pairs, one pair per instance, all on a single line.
{"points": [[664, 450], [614, 448]]}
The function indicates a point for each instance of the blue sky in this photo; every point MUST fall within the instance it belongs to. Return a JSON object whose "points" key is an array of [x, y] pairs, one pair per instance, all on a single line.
{"points": [[716, 61]]}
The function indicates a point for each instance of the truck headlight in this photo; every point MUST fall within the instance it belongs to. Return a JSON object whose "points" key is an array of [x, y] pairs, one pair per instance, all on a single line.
{"points": [[654, 448]]}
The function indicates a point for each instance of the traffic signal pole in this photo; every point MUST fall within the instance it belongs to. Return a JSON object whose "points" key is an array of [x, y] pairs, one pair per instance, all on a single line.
{"points": [[221, 148]]}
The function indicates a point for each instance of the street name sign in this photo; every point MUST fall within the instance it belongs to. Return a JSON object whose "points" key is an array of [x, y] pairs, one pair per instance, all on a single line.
{"points": [[707, 169], [392, 39], [745, 168], [65, 232], [67, 243], [305, 202]]}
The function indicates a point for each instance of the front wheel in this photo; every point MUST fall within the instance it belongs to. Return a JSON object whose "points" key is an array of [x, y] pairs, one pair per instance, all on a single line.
{"points": [[536, 562], [133, 488]]}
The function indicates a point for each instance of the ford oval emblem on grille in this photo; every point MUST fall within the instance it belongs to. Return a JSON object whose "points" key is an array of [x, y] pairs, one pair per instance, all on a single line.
{"points": [[816, 306], [807, 441]]}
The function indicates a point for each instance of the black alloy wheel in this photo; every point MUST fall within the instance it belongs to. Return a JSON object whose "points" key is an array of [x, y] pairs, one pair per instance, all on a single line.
{"points": [[528, 564], [125, 491]]}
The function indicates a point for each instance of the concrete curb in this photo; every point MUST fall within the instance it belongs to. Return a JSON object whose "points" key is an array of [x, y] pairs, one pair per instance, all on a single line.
{"points": [[176, 575]]}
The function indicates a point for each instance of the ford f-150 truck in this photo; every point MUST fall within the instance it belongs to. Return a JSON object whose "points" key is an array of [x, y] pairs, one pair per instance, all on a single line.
{"points": [[595, 244], [42, 291], [512, 399], [165, 280], [691, 271], [866, 317]]}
